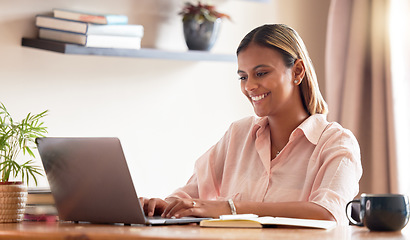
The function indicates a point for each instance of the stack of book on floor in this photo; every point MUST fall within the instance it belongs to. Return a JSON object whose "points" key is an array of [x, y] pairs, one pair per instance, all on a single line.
{"points": [[40, 205], [89, 29]]}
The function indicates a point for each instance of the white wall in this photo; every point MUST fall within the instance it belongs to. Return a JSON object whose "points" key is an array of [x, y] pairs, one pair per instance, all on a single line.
{"points": [[166, 112]]}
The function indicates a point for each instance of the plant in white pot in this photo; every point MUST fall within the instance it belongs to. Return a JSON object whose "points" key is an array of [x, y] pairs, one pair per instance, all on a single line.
{"points": [[201, 25], [17, 138]]}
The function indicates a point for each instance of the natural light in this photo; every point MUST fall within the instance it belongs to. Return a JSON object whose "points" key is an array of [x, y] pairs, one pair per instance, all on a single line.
{"points": [[400, 41]]}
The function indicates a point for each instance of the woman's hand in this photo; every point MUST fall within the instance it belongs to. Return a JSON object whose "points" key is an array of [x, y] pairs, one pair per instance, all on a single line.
{"points": [[197, 208], [153, 206]]}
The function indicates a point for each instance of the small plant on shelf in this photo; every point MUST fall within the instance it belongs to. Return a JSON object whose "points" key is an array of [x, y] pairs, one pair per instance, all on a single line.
{"points": [[201, 12], [201, 23], [17, 137]]}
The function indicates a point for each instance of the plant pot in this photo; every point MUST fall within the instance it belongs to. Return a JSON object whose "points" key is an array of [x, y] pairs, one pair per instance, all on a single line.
{"points": [[13, 198], [201, 35]]}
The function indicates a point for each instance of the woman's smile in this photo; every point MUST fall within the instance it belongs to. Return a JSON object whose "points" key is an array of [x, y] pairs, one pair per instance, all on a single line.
{"points": [[257, 98]]}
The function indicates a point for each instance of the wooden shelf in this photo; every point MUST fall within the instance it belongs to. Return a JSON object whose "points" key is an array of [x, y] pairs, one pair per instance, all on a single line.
{"points": [[68, 48]]}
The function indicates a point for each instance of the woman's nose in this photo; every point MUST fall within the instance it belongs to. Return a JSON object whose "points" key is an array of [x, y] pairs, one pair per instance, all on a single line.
{"points": [[250, 84]]}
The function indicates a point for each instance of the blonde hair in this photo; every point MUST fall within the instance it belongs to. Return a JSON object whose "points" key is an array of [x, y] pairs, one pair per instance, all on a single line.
{"points": [[288, 42]]}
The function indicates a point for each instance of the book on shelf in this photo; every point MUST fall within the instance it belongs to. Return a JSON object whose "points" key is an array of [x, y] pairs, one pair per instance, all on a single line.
{"points": [[253, 221], [90, 17], [46, 21], [97, 41]]}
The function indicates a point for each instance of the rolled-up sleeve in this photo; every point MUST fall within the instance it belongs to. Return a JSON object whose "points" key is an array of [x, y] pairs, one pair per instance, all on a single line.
{"points": [[339, 172]]}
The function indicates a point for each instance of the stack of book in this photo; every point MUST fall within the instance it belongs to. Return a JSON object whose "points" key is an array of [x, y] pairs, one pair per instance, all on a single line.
{"points": [[40, 205], [89, 29]]}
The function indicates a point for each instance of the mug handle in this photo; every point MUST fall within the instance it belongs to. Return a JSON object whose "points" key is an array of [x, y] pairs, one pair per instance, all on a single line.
{"points": [[349, 217]]}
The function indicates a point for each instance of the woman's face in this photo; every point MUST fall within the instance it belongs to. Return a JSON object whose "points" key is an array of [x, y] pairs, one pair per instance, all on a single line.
{"points": [[266, 81]]}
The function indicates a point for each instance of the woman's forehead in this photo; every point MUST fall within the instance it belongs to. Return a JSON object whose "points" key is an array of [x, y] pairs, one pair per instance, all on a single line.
{"points": [[257, 56]]}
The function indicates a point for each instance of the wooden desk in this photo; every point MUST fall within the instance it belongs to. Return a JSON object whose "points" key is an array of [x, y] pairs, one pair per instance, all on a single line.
{"points": [[70, 231]]}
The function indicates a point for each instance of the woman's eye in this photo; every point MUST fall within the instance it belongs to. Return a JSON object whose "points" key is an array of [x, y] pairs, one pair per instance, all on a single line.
{"points": [[260, 74], [242, 78]]}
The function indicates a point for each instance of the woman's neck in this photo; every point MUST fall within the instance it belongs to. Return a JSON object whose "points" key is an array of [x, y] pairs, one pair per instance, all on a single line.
{"points": [[280, 129]]}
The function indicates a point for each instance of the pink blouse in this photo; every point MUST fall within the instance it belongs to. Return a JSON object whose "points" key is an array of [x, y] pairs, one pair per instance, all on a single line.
{"points": [[319, 164]]}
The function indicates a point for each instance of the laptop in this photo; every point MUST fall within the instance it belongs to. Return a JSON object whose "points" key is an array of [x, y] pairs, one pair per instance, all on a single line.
{"points": [[90, 182]]}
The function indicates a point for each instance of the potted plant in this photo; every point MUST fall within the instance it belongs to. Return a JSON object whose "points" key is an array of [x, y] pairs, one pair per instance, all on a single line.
{"points": [[201, 25], [17, 138]]}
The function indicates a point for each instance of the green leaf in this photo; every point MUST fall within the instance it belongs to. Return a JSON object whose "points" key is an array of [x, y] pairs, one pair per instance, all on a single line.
{"points": [[29, 151], [16, 137]]}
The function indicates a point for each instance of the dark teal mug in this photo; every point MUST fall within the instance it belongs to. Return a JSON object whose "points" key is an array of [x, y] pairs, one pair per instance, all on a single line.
{"points": [[381, 212]]}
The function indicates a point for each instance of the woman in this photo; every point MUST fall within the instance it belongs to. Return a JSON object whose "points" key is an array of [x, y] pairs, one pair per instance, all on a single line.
{"points": [[287, 162]]}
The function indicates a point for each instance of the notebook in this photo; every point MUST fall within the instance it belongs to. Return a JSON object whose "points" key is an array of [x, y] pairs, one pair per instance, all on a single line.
{"points": [[90, 182]]}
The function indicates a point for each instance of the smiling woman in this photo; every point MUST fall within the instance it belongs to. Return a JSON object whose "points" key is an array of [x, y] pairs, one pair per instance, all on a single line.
{"points": [[270, 87], [287, 162], [279, 37], [285, 85]]}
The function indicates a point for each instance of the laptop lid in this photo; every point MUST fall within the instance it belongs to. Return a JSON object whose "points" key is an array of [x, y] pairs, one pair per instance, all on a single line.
{"points": [[90, 181]]}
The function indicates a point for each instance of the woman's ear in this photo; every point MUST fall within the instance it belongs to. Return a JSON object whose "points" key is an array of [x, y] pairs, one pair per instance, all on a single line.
{"points": [[298, 71]]}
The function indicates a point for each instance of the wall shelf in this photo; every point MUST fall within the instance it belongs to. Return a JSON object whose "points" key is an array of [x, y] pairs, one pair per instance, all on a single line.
{"points": [[68, 48]]}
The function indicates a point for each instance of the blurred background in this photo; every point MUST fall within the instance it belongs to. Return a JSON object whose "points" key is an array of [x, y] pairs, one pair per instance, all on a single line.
{"points": [[166, 113]]}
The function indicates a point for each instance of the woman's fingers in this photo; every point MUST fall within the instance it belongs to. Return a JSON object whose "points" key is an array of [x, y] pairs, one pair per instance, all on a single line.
{"points": [[185, 206], [196, 212], [152, 206], [143, 202], [194, 207], [170, 206]]}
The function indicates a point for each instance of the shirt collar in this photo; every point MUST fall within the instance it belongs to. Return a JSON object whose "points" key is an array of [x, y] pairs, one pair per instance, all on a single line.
{"points": [[260, 125], [312, 127]]}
